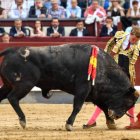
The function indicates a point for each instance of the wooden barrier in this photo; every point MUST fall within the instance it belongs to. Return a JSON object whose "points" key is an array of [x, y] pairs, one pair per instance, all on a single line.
{"points": [[47, 41]]}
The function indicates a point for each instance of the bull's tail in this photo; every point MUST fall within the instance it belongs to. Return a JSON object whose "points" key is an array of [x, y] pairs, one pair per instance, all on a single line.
{"points": [[6, 51]]}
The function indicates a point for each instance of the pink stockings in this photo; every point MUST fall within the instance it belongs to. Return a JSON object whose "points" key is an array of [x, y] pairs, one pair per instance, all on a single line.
{"points": [[131, 112], [94, 116], [98, 111]]}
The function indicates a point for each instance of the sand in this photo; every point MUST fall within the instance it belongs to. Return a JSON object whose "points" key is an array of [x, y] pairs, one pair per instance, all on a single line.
{"points": [[47, 122]]}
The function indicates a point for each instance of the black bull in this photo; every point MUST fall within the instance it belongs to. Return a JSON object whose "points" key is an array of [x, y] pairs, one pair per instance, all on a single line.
{"points": [[65, 68]]}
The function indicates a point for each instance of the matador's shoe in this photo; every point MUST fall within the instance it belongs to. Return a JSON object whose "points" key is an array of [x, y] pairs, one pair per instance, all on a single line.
{"points": [[135, 125], [86, 126]]}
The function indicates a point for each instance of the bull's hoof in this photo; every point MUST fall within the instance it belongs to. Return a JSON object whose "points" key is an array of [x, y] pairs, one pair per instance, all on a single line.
{"points": [[23, 124], [111, 125], [68, 127]]}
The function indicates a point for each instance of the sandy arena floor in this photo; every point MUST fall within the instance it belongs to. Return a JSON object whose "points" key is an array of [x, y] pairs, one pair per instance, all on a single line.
{"points": [[47, 122]]}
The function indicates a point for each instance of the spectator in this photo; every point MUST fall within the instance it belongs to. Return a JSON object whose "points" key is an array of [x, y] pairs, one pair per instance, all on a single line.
{"points": [[38, 10], [56, 11], [38, 30], [126, 5], [55, 30], [2, 12], [18, 30], [131, 1], [79, 30], [108, 29], [94, 11], [19, 10], [131, 13], [129, 29], [73, 11], [134, 12], [2, 31], [116, 11], [5, 38], [12, 4], [48, 4], [106, 4]]}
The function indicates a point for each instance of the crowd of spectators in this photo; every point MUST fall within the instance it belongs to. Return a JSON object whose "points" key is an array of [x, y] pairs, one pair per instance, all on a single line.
{"points": [[109, 15]]}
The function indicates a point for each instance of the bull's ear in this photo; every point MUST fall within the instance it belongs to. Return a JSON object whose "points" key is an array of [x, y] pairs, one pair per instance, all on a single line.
{"points": [[137, 94]]}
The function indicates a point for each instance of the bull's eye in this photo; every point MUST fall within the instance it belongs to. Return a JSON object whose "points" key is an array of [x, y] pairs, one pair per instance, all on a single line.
{"points": [[17, 76]]}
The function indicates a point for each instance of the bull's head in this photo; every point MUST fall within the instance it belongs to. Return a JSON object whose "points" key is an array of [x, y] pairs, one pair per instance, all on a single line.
{"points": [[121, 105]]}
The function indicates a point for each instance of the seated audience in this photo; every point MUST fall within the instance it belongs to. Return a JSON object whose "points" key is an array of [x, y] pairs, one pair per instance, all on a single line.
{"points": [[19, 10], [2, 12], [56, 10], [79, 31], [129, 29], [18, 30], [73, 11], [134, 12], [38, 10], [106, 4], [38, 30], [47, 4], [2, 31], [116, 11], [94, 12], [26, 3], [55, 30], [126, 5], [109, 29], [5, 38], [131, 1]]}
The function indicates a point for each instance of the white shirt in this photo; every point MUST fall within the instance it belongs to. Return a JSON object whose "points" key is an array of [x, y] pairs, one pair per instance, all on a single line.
{"points": [[55, 30], [38, 12], [126, 42], [79, 33], [16, 13], [109, 31]]}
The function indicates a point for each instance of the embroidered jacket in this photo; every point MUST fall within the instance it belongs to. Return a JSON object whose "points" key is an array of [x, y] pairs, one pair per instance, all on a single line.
{"points": [[117, 45]]}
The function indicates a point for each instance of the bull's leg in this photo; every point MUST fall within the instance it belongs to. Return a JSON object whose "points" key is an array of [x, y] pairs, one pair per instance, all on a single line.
{"points": [[15, 104], [46, 93], [14, 96], [110, 122], [79, 99], [4, 92]]}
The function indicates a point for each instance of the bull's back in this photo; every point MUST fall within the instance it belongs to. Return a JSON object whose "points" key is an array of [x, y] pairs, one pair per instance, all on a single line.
{"points": [[73, 57], [62, 66]]}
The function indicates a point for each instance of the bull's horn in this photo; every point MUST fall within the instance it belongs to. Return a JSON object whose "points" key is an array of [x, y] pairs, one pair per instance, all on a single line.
{"points": [[137, 94]]}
